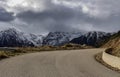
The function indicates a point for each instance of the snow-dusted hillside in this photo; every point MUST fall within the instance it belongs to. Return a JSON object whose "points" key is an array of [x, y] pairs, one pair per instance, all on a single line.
{"points": [[12, 37], [60, 38], [35, 39], [92, 38]]}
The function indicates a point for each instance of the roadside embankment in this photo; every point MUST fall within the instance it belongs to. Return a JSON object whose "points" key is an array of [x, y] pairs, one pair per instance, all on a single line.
{"points": [[110, 61], [113, 61]]}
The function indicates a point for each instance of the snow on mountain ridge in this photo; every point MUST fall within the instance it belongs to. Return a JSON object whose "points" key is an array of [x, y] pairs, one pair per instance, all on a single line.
{"points": [[93, 38], [36, 39], [60, 38], [13, 36]]}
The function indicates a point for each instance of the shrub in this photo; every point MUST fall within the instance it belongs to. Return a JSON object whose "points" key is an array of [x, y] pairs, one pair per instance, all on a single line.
{"points": [[68, 45], [3, 55]]}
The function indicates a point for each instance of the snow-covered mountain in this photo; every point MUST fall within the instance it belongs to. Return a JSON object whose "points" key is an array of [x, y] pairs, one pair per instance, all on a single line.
{"points": [[35, 39], [12, 37], [60, 38], [94, 38]]}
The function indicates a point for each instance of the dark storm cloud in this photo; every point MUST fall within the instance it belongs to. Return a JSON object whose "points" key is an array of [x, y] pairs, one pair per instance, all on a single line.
{"points": [[63, 15], [6, 16], [57, 14], [54, 19]]}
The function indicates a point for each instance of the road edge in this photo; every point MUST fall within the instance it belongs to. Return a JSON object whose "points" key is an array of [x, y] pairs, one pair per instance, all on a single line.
{"points": [[98, 58]]}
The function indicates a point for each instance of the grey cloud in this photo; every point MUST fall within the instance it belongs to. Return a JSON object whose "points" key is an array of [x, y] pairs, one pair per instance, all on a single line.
{"points": [[57, 14], [6, 16], [58, 17], [54, 19], [62, 18]]}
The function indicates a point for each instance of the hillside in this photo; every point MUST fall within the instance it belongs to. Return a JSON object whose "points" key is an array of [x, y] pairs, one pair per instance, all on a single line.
{"points": [[114, 41], [113, 44]]}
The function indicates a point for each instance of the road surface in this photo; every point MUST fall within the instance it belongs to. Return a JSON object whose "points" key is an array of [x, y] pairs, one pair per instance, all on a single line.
{"points": [[70, 63]]}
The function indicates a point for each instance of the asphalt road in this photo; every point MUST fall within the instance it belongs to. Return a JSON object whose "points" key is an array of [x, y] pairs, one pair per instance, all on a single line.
{"points": [[74, 63]]}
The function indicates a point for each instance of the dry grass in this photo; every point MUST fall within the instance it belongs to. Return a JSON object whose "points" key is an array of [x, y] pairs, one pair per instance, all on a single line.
{"points": [[51, 48], [24, 50], [116, 51], [3, 55], [98, 58], [7, 54]]}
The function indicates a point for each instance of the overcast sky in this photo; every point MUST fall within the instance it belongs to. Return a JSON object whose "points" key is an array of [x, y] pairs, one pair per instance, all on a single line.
{"points": [[41, 16]]}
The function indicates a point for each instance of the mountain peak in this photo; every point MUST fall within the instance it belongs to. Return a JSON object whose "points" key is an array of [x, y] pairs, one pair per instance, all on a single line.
{"points": [[92, 38], [13, 37]]}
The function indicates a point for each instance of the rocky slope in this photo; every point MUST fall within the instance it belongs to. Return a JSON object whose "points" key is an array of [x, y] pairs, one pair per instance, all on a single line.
{"points": [[13, 38], [114, 41], [92, 38], [60, 38], [113, 44], [35, 39]]}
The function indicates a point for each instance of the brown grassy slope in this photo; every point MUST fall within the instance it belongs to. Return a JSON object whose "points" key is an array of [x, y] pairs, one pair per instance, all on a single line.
{"points": [[114, 43]]}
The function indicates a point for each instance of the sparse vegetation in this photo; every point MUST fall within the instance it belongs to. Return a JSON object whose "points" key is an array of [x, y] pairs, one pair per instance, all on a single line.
{"points": [[51, 48], [113, 44], [116, 35], [22, 50], [7, 54], [113, 41], [3, 55], [117, 52]]}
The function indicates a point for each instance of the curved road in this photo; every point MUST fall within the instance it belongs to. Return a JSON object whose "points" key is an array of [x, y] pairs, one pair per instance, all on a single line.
{"points": [[74, 63]]}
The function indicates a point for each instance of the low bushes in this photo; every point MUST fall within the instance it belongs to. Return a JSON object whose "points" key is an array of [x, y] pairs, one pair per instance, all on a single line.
{"points": [[22, 50], [3, 55]]}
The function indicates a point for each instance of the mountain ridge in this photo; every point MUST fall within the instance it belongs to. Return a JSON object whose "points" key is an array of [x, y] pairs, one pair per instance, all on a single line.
{"points": [[12, 37], [92, 38]]}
